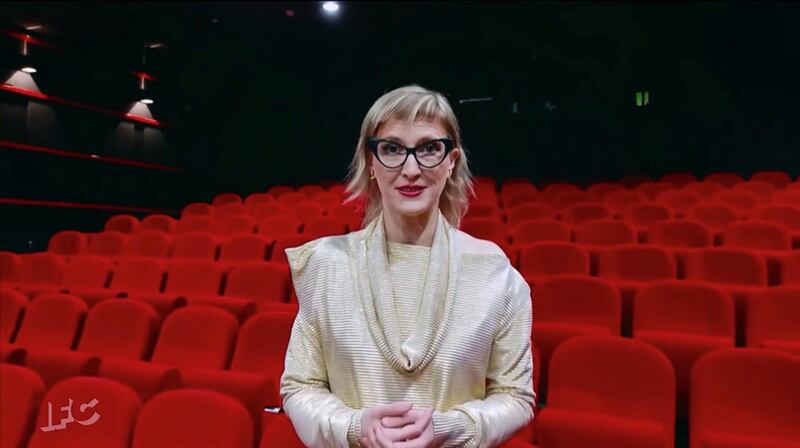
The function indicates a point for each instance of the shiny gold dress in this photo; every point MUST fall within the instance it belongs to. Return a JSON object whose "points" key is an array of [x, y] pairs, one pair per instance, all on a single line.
{"points": [[446, 327]]}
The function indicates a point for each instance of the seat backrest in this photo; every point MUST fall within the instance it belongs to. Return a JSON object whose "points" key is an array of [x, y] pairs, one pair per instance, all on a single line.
{"points": [[678, 180], [193, 417], [9, 265], [646, 214], [306, 210], [766, 385], [254, 199], [104, 413], [108, 243], [194, 223], [122, 223], [245, 247], [714, 216], [741, 201], [40, 268], [325, 226], [606, 232], [267, 210], [705, 189], [536, 230], [120, 328], [678, 200], [68, 242], [579, 213], [790, 269], [225, 199], [310, 190], [277, 191], [158, 222], [263, 339], [680, 233], [727, 180], [150, 243], [786, 197], [567, 198], [786, 215], [636, 263], [779, 179], [516, 199], [529, 212], [199, 245], [197, 208], [762, 235], [291, 198], [681, 306], [264, 281], [773, 316], [618, 201], [134, 275], [493, 229], [86, 271], [762, 190], [726, 266], [281, 244], [229, 210], [594, 374], [22, 390], [634, 180], [553, 258], [193, 277], [600, 190], [279, 227], [198, 336], [52, 321], [578, 300], [234, 224], [12, 308]]}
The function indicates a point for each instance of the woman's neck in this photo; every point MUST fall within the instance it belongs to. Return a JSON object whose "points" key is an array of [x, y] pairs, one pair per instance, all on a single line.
{"points": [[417, 230]]}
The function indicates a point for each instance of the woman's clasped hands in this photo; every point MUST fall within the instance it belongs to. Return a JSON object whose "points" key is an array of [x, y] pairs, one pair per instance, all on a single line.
{"points": [[397, 425]]}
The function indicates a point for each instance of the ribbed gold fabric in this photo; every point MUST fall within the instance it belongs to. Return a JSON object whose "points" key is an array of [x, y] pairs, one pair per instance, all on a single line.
{"points": [[408, 266], [349, 349]]}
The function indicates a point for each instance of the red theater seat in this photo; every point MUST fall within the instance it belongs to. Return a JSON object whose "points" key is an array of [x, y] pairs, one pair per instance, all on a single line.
{"points": [[281, 244], [280, 227], [634, 180], [605, 232], [529, 212], [158, 222], [9, 265], [643, 216], [678, 180], [580, 213], [685, 320], [223, 199], [195, 245], [234, 225], [679, 201], [534, 231], [194, 223], [197, 208], [567, 198], [196, 337], [243, 248], [122, 223], [786, 197], [519, 198], [325, 226], [786, 215], [306, 211], [779, 179], [104, 413], [715, 216], [107, 243], [68, 243], [619, 201], [769, 239], [790, 269], [291, 198], [261, 282], [256, 199], [310, 190], [630, 267], [277, 191], [492, 229], [596, 399], [280, 432], [727, 180], [86, 273], [600, 190], [566, 307], [22, 390], [149, 243], [707, 190], [120, 328], [229, 210], [38, 273], [762, 190], [547, 259], [772, 319], [745, 398], [12, 308], [267, 210], [193, 418]]}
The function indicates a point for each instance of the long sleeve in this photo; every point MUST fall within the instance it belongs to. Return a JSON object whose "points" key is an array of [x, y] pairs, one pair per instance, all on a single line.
{"points": [[319, 417], [510, 399]]}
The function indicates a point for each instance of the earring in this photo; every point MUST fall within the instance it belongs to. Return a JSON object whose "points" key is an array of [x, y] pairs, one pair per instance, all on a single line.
{"points": [[371, 176]]}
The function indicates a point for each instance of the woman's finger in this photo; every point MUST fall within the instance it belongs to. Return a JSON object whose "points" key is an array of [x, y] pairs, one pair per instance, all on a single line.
{"points": [[380, 436]]}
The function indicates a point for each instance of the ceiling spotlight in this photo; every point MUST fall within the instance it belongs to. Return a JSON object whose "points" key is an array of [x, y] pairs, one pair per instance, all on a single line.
{"points": [[28, 69], [32, 27], [147, 101], [330, 7]]}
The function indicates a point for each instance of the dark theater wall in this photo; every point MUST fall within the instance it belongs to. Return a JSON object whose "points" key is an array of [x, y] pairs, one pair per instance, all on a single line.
{"points": [[252, 97]]}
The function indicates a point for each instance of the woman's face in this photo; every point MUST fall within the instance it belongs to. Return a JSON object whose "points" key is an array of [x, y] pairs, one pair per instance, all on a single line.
{"points": [[391, 180]]}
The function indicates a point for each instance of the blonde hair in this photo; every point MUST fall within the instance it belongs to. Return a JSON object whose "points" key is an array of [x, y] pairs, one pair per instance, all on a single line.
{"points": [[410, 103]]}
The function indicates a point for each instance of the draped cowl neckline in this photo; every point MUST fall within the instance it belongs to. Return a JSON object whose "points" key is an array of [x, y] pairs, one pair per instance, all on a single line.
{"points": [[376, 294]]}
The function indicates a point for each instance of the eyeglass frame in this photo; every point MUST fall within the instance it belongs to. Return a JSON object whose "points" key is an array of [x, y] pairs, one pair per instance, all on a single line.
{"points": [[372, 144]]}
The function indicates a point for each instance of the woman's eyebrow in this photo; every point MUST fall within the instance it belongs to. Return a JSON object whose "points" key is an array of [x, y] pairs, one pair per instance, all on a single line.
{"points": [[421, 140]]}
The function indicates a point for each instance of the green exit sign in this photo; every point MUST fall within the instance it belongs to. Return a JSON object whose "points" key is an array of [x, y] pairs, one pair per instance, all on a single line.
{"points": [[642, 99]]}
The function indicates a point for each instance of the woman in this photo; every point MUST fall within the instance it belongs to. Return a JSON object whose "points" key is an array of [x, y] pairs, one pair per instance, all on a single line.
{"points": [[411, 333]]}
